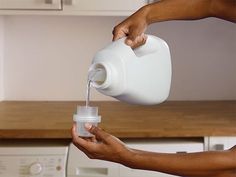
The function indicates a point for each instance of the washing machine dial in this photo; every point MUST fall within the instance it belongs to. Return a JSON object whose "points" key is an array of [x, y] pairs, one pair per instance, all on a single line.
{"points": [[35, 168]]}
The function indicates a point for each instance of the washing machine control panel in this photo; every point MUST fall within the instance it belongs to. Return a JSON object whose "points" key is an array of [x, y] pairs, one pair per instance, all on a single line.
{"points": [[33, 162]]}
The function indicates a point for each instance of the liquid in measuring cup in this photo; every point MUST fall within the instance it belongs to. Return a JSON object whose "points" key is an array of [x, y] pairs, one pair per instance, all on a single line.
{"points": [[86, 114]]}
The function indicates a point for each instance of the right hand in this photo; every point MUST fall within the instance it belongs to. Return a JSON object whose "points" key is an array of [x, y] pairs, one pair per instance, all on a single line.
{"points": [[133, 28], [102, 145]]}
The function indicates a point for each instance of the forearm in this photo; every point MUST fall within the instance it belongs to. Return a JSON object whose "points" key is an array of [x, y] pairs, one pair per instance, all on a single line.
{"points": [[204, 164], [190, 10]]}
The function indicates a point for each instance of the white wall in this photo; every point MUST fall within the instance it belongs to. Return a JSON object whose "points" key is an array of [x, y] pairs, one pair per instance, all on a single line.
{"points": [[47, 57], [203, 57], [1, 56]]}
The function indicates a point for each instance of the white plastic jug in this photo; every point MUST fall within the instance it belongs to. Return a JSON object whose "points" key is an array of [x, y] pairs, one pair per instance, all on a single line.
{"points": [[140, 76]]}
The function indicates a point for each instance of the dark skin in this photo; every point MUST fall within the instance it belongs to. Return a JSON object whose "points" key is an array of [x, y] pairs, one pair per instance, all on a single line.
{"points": [[134, 26], [105, 146]]}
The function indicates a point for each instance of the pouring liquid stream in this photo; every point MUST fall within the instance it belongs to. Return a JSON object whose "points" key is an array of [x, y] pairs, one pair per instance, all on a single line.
{"points": [[98, 76], [88, 92]]}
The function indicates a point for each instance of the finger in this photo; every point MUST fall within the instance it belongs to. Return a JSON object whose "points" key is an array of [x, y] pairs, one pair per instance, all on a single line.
{"points": [[140, 40], [119, 32], [134, 33], [98, 132], [77, 140], [93, 139], [89, 146], [81, 144]]}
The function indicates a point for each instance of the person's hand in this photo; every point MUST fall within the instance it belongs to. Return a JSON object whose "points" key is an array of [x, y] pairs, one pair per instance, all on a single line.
{"points": [[133, 28], [102, 146]]}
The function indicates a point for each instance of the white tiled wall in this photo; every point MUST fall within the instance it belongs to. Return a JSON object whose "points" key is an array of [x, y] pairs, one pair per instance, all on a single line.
{"points": [[47, 57]]}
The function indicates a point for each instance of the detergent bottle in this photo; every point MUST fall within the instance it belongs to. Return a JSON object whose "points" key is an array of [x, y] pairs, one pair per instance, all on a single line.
{"points": [[137, 76]]}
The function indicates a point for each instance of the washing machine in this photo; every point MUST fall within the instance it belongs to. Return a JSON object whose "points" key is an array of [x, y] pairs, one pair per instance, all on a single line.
{"points": [[33, 158]]}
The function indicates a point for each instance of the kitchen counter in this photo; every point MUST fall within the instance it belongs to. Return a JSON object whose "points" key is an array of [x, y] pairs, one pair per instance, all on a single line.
{"points": [[46, 120]]}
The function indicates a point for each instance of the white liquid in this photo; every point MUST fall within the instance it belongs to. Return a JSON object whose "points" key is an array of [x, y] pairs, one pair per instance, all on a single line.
{"points": [[88, 92]]}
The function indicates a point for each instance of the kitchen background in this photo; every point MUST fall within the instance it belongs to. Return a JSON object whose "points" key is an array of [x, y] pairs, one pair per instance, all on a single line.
{"points": [[47, 57]]}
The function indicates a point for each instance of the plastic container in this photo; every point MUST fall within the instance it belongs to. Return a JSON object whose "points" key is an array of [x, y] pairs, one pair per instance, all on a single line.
{"points": [[86, 114], [141, 76]]}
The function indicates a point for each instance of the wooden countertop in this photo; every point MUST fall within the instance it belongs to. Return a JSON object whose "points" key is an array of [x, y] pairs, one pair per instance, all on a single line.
{"points": [[23, 119]]}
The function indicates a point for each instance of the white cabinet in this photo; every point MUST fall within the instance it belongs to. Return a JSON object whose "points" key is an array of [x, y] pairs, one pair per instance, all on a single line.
{"points": [[30, 4], [80, 165], [163, 146], [102, 7], [220, 142], [71, 7]]}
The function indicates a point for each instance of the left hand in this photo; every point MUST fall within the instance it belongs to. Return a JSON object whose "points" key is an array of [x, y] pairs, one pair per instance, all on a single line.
{"points": [[102, 146]]}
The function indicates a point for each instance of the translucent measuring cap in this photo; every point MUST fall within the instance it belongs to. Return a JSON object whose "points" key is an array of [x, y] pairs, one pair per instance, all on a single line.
{"points": [[87, 114]]}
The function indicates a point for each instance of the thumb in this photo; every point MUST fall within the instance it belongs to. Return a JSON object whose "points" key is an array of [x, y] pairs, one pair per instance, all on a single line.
{"points": [[98, 132]]}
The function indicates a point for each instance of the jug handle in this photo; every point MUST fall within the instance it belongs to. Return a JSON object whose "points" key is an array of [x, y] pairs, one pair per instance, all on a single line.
{"points": [[152, 45]]}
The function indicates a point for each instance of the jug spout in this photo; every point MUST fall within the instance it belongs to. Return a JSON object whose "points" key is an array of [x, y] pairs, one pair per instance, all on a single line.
{"points": [[97, 75], [107, 77]]}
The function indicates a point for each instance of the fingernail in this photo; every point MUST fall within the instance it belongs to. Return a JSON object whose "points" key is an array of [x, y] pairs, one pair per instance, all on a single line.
{"points": [[88, 126]]}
